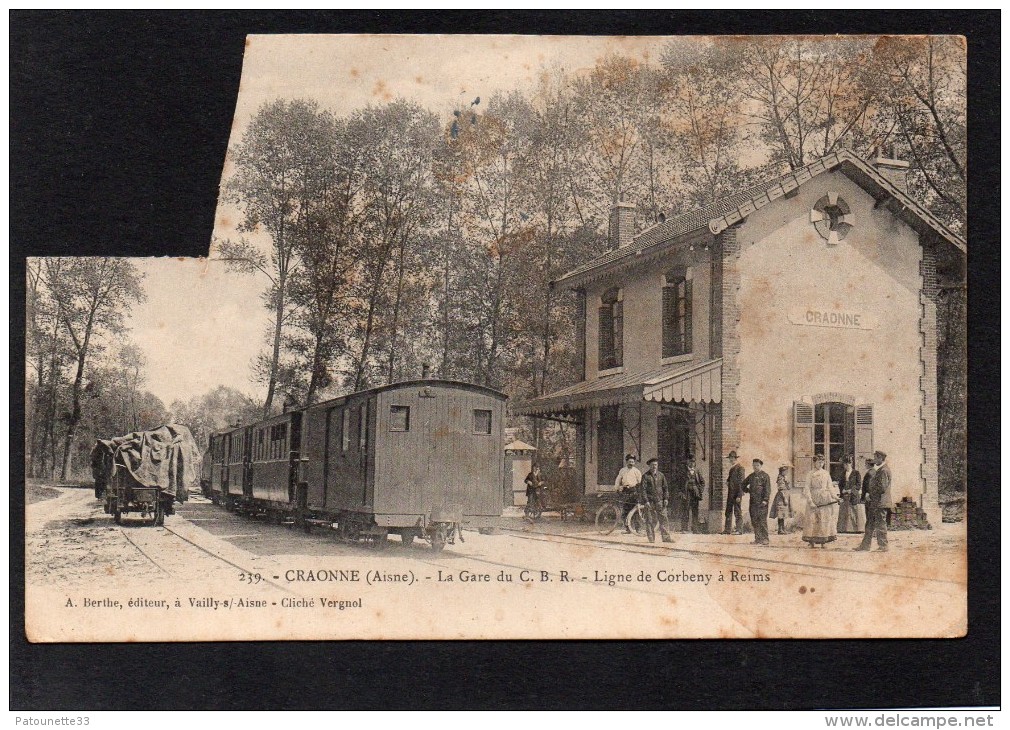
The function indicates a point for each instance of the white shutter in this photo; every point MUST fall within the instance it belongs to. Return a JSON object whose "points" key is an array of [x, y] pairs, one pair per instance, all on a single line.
{"points": [[803, 441], [864, 434]]}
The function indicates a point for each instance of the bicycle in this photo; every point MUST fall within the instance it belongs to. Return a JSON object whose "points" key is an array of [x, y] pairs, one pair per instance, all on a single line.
{"points": [[610, 515], [643, 518], [534, 507]]}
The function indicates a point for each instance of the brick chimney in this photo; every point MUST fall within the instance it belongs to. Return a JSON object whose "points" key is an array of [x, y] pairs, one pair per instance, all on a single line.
{"points": [[622, 224], [895, 170]]}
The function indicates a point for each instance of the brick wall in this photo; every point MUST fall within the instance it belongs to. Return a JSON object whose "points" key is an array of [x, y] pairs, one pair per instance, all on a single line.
{"points": [[928, 299], [725, 344]]}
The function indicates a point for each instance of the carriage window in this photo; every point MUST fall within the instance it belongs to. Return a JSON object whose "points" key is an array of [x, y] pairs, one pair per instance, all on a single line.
{"points": [[481, 421], [399, 418], [345, 430]]}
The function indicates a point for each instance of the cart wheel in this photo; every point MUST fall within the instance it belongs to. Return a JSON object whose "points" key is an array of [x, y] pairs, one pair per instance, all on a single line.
{"points": [[407, 538], [608, 517], [159, 514]]}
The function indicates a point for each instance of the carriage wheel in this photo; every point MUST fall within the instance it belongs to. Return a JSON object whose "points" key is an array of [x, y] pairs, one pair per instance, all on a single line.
{"points": [[608, 517], [407, 538]]}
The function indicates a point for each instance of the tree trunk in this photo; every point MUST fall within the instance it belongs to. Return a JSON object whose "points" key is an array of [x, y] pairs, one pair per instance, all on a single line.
{"points": [[396, 311], [316, 369], [445, 283], [276, 356], [75, 418], [359, 374]]}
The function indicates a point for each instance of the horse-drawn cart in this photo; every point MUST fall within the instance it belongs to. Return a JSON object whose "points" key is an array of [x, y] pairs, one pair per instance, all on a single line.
{"points": [[150, 472]]}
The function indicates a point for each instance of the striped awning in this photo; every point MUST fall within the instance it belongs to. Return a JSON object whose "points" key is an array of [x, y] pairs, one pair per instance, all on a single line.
{"points": [[699, 383], [691, 382]]}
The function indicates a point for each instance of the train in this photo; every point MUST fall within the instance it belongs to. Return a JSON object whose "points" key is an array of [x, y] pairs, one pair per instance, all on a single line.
{"points": [[418, 459]]}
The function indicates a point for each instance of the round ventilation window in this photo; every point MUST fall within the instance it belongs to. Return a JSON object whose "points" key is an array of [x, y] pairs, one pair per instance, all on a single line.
{"points": [[832, 218]]}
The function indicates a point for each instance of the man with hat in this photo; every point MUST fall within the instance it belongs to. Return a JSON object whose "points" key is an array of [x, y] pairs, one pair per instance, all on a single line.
{"points": [[878, 501], [655, 491], [692, 487], [734, 494], [628, 479], [759, 485]]}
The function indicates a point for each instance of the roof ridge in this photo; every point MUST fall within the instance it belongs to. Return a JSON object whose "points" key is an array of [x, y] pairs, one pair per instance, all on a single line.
{"points": [[712, 215]]}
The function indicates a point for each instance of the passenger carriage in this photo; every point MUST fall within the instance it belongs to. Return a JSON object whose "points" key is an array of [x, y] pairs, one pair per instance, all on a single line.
{"points": [[421, 458]]}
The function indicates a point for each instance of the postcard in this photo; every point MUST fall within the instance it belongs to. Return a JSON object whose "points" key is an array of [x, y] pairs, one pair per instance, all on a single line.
{"points": [[526, 337]]}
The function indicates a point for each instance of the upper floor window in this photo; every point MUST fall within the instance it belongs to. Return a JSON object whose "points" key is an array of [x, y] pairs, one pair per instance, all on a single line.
{"points": [[611, 329], [676, 313]]}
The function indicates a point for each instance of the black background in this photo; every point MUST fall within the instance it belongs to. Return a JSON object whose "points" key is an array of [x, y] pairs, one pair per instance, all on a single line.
{"points": [[119, 125]]}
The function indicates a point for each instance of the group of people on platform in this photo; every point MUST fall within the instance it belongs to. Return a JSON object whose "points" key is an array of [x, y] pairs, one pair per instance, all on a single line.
{"points": [[677, 503], [854, 504]]}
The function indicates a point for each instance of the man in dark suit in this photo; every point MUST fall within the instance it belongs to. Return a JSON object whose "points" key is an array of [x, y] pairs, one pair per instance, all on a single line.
{"points": [[734, 494], [655, 491], [878, 502], [691, 489], [759, 485], [871, 469]]}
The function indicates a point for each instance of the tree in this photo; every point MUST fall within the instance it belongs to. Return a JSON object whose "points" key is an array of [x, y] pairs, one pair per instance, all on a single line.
{"points": [[215, 410], [802, 94], [398, 140], [704, 127], [498, 226], [923, 113], [279, 167], [328, 244], [48, 354], [608, 102], [92, 295]]}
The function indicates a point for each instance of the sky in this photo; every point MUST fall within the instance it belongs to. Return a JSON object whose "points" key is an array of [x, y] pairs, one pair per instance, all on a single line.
{"points": [[202, 326]]}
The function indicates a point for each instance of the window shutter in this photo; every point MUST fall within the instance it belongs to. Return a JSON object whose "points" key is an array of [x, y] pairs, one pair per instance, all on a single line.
{"points": [[580, 332], [803, 441], [606, 336], [669, 320], [864, 434], [687, 318], [618, 334]]}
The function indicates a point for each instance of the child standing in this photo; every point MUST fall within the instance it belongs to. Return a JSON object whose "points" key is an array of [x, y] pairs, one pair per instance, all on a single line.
{"points": [[782, 505]]}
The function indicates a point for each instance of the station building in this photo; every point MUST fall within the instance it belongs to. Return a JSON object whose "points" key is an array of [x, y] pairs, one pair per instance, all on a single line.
{"points": [[796, 317]]}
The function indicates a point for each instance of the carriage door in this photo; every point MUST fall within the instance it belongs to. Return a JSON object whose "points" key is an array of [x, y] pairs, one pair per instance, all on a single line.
{"points": [[247, 462], [366, 427], [225, 463]]}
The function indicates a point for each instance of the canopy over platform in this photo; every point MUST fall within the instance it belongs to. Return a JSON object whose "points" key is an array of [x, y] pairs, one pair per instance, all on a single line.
{"points": [[700, 383]]}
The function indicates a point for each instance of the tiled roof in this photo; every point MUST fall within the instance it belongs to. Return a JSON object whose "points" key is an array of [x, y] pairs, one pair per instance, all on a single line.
{"points": [[724, 212]]}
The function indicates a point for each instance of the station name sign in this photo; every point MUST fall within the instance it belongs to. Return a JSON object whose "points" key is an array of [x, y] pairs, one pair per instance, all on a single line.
{"points": [[835, 318]]}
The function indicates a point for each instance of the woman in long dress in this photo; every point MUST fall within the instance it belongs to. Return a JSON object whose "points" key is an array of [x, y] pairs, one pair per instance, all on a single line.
{"points": [[851, 504], [821, 524]]}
